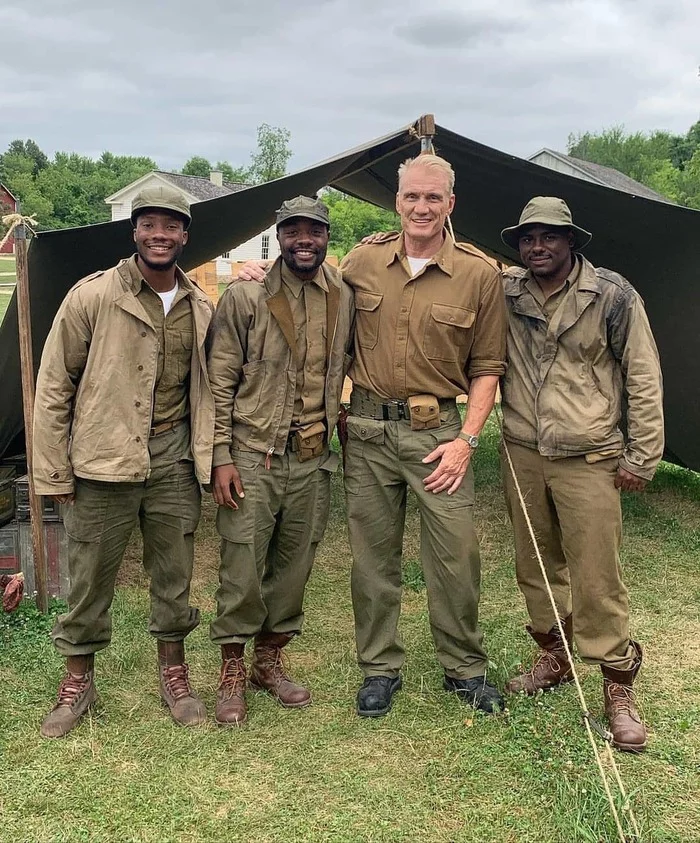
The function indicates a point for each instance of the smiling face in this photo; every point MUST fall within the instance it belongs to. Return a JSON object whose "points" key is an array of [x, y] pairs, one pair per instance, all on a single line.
{"points": [[160, 237], [547, 251], [424, 200], [303, 245]]}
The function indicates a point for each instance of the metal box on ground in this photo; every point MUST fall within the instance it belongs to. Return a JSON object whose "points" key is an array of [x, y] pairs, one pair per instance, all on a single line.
{"points": [[51, 509], [7, 498], [56, 547], [9, 548]]}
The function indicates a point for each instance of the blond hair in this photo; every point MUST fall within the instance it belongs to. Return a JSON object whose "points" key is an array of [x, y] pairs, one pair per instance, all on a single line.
{"points": [[432, 162]]}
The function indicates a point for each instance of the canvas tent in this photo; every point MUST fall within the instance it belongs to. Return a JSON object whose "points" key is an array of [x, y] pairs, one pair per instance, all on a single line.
{"points": [[656, 245]]}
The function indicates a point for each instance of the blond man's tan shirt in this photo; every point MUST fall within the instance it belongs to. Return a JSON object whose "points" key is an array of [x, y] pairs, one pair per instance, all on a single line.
{"points": [[171, 400], [307, 301], [428, 333]]}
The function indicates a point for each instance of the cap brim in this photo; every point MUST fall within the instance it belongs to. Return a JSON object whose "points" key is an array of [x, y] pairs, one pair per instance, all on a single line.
{"points": [[314, 217], [511, 235]]}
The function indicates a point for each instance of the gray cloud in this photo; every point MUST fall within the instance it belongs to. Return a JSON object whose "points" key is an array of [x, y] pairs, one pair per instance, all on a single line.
{"points": [[183, 79]]}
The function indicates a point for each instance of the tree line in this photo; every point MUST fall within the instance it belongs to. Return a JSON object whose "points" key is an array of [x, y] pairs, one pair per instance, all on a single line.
{"points": [[69, 189]]}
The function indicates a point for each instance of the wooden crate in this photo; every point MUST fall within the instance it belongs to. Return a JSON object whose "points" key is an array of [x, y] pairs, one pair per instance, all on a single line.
{"points": [[56, 548]]}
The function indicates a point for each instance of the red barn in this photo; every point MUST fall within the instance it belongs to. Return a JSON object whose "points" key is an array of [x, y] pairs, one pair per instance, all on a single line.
{"points": [[8, 205]]}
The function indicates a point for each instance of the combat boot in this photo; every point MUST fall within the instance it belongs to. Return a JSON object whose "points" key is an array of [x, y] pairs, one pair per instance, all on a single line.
{"points": [[552, 666], [628, 732], [185, 706], [268, 671], [76, 694], [230, 695]]}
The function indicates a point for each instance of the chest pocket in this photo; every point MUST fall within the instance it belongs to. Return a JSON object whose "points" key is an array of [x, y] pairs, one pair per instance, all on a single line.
{"points": [[183, 342], [368, 310], [449, 332]]}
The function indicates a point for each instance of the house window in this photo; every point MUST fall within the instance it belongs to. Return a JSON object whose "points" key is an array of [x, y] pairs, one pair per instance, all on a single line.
{"points": [[226, 255], [265, 247]]}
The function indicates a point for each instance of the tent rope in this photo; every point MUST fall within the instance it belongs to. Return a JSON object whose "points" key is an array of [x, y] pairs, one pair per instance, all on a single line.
{"points": [[14, 220], [589, 722]]}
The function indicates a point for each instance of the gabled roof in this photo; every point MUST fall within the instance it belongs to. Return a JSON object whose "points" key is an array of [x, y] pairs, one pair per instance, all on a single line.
{"points": [[607, 176], [197, 188], [8, 191]]}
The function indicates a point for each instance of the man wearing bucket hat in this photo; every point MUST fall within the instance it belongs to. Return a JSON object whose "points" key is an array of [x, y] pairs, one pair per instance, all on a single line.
{"points": [[123, 432], [277, 362], [579, 348]]}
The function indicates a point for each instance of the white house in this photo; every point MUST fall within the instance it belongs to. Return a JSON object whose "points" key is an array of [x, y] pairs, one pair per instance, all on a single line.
{"points": [[197, 189], [596, 173]]}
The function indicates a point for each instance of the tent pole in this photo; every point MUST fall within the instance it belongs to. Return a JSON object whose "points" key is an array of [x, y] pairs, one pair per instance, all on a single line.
{"points": [[425, 129], [26, 357]]}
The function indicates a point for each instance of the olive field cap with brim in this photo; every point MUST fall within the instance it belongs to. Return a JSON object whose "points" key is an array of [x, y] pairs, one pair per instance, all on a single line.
{"points": [[161, 198], [546, 210], [303, 206]]}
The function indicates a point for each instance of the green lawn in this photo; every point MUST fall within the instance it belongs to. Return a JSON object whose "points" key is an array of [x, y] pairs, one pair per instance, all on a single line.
{"points": [[429, 771]]}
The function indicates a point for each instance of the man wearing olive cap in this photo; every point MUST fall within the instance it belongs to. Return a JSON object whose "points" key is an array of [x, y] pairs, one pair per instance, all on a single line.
{"points": [[123, 433], [579, 348], [277, 362]]}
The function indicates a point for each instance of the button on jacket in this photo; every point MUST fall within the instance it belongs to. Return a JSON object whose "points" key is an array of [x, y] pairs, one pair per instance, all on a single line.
{"points": [[95, 388], [431, 333], [253, 366], [568, 374]]}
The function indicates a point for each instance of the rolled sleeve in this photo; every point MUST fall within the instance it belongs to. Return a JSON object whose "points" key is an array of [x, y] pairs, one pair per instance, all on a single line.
{"points": [[488, 353]]}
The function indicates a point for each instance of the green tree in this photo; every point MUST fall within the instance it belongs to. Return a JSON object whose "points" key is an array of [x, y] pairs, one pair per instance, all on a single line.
{"points": [[236, 175], [352, 219], [197, 166], [272, 156]]}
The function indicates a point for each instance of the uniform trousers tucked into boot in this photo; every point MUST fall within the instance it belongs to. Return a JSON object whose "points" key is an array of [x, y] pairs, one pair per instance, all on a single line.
{"points": [[575, 512], [267, 551], [99, 524]]}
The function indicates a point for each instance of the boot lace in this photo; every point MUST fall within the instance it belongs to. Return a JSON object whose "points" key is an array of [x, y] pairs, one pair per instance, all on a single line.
{"points": [[232, 675], [553, 661], [72, 687], [176, 680], [277, 662], [621, 699]]}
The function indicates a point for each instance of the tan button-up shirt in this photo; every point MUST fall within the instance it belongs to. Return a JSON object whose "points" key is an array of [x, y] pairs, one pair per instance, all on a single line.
{"points": [[428, 333], [307, 301], [175, 341]]}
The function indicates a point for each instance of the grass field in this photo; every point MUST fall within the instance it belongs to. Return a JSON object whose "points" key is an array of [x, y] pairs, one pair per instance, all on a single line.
{"points": [[7, 276], [431, 770]]}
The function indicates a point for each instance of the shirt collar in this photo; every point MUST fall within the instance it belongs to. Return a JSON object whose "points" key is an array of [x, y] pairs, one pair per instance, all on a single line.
{"points": [[296, 285], [443, 259]]}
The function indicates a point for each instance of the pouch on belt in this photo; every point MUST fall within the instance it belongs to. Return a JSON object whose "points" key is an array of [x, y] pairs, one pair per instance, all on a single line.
{"points": [[310, 441], [425, 411]]}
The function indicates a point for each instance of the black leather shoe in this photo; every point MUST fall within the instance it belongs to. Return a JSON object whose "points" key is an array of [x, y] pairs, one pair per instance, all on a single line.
{"points": [[374, 697], [477, 692]]}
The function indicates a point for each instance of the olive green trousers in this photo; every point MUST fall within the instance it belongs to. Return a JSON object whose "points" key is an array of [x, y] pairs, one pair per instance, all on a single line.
{"points": [[99, 523], [384, 460]]}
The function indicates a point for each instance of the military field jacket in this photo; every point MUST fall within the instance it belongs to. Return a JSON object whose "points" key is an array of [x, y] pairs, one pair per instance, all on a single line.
{"points": [[94, 393], [567, 381], [252, 364]]}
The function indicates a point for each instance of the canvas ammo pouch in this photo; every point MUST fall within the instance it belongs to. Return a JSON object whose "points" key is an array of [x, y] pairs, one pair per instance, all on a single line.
{"points": [[309, 441], [425, 411]]}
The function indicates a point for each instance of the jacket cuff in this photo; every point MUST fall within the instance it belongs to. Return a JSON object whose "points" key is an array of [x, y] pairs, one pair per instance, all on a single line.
{"points": [[632, 464], [222, 455], [50, 487]]}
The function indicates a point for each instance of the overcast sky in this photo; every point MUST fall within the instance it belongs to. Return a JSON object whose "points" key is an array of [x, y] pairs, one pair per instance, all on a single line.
{"points": [[176, 79]]}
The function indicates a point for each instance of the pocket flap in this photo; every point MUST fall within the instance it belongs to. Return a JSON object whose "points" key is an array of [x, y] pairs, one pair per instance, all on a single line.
{"points": [[366, 430], [367, 301], [447, 314]]}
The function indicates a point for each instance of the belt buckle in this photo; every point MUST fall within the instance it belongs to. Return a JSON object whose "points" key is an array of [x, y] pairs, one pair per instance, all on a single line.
{"points": [[397, 406]]}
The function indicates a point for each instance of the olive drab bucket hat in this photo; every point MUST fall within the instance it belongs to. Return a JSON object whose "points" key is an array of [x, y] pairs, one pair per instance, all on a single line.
{"points": [[303, 206], [546, 210], [161, 198]]}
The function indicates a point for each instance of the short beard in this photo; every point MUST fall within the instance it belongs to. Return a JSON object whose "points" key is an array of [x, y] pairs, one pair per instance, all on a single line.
{"points": [[161, 267]]}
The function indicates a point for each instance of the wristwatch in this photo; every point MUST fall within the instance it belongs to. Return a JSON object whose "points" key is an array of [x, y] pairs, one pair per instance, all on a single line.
{"points": [[470, 439]]}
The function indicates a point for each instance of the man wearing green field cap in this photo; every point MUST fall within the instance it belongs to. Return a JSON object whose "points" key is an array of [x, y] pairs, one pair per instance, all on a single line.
{"points": [[579, 349], [123, 432]]}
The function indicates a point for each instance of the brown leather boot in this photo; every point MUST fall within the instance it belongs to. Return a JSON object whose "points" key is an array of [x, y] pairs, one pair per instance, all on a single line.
{"points": [[552, 666], [269, 673], [230, 695], [175, 690], [628, 732], [76, 694]]}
